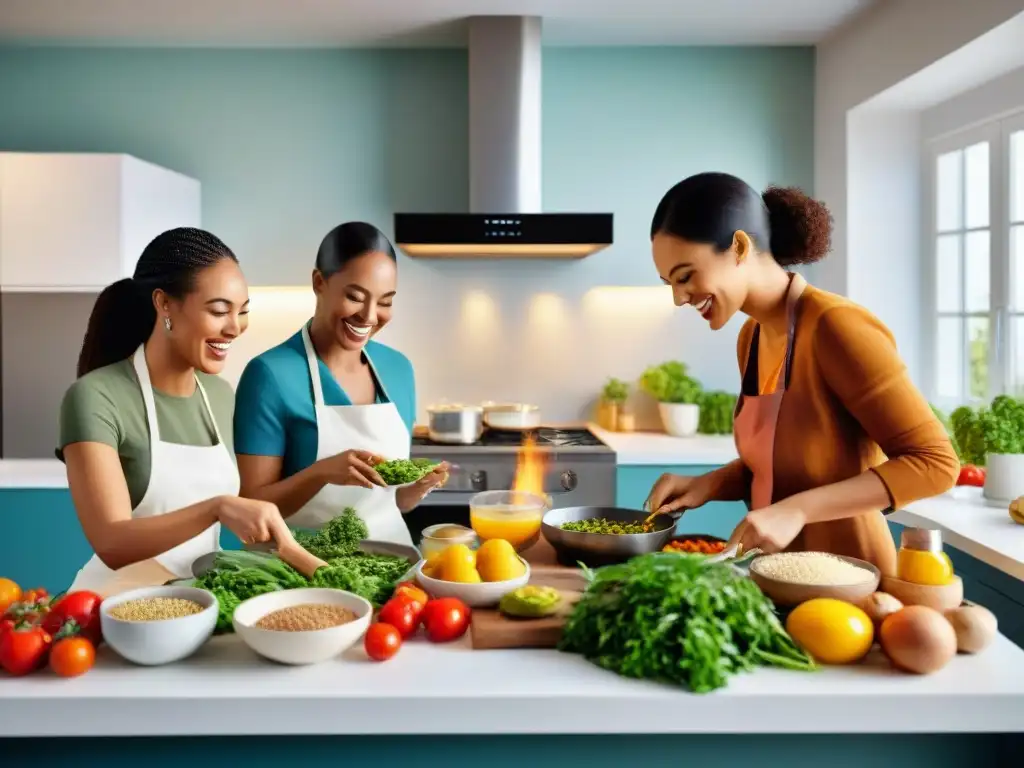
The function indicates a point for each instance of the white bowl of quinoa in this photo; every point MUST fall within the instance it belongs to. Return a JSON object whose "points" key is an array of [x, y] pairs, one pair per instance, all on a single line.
{"points": [[302, 626], [158, 625]]}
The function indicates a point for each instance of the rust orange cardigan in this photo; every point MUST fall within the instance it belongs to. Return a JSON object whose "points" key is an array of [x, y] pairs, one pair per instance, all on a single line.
{"points": [[851, 407]]}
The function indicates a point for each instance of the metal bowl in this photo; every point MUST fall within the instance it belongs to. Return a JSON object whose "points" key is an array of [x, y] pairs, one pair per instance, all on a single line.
{"points": [[597, 549]]}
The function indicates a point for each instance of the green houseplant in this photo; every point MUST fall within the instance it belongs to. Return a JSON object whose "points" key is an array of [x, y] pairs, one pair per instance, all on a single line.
{"points": [[678, 395], [613, 399], [716, 412], [993, 437]]}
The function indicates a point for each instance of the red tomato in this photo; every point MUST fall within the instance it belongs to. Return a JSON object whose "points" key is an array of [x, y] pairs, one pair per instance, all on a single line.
{"points": [[446, 619], [971, 475], [76, 613], [72, 656], [382, 641], [402, 614], [23, 649], [409, 590]]}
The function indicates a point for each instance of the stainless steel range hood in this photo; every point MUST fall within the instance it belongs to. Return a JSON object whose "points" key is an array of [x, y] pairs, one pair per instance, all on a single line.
{"points": [[505, 218]]}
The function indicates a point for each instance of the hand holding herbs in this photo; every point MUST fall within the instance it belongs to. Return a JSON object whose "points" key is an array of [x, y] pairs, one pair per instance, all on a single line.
{"points": [[678, 619], [238, 575], [404, 471]]}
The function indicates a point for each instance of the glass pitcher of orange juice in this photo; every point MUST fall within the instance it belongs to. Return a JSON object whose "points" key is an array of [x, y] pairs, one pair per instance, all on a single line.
{"points": [[514, 516]]}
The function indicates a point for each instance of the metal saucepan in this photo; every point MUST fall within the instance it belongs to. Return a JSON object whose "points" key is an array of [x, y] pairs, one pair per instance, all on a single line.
{"points": [[597, 549], [455, 424], [511, 416]]}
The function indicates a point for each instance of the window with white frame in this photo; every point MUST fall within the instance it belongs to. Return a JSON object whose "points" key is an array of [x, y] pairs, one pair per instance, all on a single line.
{"points": [[975, 216]]}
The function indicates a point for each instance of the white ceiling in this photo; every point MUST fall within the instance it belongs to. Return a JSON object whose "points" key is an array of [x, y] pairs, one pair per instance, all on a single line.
{"points": [[321, 23]]}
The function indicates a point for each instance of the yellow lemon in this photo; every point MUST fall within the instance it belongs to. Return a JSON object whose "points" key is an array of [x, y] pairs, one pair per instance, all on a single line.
{"points": [[832, 631], [496, 560], [457, 563]]}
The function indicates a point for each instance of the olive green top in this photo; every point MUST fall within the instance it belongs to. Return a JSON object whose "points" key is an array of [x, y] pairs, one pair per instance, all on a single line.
{"points": [[106, 406]]}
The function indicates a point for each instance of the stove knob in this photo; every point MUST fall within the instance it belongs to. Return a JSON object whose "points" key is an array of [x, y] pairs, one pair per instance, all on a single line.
{"points": [[479, 480], [569, 480]]}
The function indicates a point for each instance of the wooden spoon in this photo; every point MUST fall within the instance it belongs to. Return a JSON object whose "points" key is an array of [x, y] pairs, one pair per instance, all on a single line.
{"points": [[299, 558]]}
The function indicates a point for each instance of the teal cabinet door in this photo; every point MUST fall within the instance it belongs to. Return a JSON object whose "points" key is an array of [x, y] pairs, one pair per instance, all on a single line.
{"points": [[42, 544], [719, 518]]}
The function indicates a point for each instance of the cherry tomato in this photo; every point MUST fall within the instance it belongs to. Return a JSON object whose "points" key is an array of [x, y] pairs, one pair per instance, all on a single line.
{"points": [[23, 649], [72, 656], [402, 614], [9, 593], [411, 591], [76, 613], [382, 641], [971, 475], [446, 619]]}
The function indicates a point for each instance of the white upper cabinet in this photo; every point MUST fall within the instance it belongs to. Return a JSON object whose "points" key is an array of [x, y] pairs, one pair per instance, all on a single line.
{"points": [[78, 222]]}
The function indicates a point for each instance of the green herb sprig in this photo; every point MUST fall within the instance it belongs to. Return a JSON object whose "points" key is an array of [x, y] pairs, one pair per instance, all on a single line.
{"points": [[670, 383]]}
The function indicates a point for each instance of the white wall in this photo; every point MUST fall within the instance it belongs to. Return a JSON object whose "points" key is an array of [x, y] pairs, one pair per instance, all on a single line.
{"points": [[899, 57], [993, 100]]}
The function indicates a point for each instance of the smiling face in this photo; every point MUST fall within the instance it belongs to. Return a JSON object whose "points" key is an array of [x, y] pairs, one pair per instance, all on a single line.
{"points": [[356, 301], [713, 282], [206, 320]]}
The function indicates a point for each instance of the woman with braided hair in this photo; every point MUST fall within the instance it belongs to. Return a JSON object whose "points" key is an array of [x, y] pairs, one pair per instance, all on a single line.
{"points": [[145, 431]]}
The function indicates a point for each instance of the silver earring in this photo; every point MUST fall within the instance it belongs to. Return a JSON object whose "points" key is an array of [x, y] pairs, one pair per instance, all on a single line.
{"points": [[167, 324]]}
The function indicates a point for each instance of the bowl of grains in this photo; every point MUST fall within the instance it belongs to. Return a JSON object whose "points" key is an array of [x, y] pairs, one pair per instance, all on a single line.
{"points": [[302, 626], [791, 578], [158, 625]]}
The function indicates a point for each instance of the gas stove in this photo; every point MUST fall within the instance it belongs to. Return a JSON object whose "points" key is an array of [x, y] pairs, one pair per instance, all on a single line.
{"points": [[579, 471]]}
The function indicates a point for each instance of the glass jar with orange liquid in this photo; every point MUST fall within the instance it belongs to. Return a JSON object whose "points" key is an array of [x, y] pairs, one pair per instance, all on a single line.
{"points": [[920, 559], [514, 516]]}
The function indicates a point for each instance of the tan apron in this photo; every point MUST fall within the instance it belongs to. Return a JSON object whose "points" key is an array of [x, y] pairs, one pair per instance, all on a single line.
{"points": [[755, 420]]}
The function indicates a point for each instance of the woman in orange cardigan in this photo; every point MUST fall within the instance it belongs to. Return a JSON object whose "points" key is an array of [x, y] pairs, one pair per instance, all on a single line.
{"points": [[830, 430]]}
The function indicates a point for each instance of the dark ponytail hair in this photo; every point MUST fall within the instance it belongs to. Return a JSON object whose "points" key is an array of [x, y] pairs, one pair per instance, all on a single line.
{"points": [[349, 241], [711, 207], [123, 316]]}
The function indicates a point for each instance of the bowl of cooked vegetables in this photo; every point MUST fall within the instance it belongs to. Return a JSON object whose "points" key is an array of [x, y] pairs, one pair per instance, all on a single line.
{"points": [[597, 536]]}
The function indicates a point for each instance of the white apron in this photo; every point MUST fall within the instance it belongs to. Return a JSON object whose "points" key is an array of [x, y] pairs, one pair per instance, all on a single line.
{"points": [[179, 476], [376, 428]]}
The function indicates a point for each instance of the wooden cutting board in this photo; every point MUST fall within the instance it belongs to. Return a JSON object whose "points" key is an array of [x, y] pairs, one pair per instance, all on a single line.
{"points": [[490, 629]]}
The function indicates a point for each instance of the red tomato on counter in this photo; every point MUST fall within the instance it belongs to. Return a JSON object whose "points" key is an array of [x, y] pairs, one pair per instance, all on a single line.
{"points": [[23, 649], [72, 656], [382, 641], [445, 619], [401, 613], [971, 475], [411, 591], [82, 608]]}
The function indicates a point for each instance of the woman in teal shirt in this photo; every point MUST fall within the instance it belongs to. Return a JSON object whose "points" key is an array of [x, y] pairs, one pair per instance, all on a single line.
{"points": [[315, 413]]}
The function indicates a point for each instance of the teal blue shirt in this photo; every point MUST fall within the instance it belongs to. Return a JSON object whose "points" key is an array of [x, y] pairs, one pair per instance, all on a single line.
{"points": [[274, 413]]}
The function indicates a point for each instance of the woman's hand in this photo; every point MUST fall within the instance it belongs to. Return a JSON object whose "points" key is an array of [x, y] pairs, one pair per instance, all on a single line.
{"points": [[253, 521], [674, 494], [770, 529], [407, 498], [352, 467]]}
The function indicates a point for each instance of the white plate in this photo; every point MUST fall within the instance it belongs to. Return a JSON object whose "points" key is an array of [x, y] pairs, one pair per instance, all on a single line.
{"points": [[483, 595]]}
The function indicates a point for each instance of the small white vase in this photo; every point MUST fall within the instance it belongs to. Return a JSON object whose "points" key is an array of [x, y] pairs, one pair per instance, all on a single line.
{"points": [[680, 419], [1004, 478]]}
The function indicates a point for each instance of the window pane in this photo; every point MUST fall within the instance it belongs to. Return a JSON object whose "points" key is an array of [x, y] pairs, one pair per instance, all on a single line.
{"points": [[950, 356], [976, 268], [947, 191], [1017, 266], [1017, 176], [948, 276], [1016, 363], [978, 343], [976, 185]]}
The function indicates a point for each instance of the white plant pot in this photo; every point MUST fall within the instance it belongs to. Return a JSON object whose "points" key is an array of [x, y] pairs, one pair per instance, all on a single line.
{"points": [[1004, 478], [680, 419]]}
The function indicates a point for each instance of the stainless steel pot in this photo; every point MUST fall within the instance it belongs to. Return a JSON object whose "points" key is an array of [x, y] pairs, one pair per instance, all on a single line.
{"points": [[511, 416], [455, 424]]}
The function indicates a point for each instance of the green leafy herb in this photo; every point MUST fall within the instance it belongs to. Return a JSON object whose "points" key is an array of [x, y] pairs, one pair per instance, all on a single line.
{"points": [[338, 537], [402, 471], [998, 428], [615, 391], [670, 383], [716, 411], [678, 619]]}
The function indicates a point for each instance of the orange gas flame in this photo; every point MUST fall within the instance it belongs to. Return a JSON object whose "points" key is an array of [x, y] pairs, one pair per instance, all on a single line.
{"points": [[531, 465]]}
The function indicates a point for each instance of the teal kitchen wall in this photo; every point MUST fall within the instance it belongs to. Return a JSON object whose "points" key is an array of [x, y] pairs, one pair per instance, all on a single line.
{"points": [[288, 144]]}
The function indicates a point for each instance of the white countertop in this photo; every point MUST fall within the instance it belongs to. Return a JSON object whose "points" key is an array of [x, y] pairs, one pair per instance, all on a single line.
{"points": [[32, 473], [451, 689], [657, 448], [967, 523]]}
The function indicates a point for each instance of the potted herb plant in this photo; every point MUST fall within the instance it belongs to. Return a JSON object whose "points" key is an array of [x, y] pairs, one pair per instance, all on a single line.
{"points": [[993, 437], [678, 396], [716, 413], [613, 399]]}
